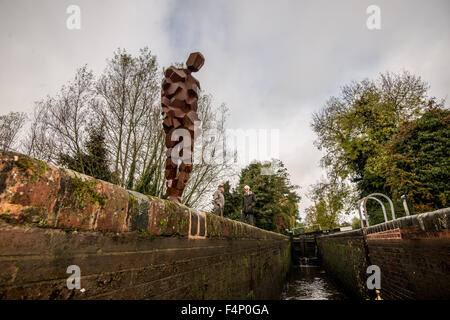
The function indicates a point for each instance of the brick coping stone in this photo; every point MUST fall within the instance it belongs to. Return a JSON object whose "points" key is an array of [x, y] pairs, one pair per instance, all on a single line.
{"points": [[32, 191], [432, 224]]}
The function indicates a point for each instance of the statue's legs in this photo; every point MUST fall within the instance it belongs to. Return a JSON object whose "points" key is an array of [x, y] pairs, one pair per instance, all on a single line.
{"points": [[177, 175]]}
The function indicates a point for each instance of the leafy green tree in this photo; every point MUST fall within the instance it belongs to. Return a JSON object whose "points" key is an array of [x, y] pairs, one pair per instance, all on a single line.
{"points": [[329, 204], [320, 215], [150, 183], [233, 203], [94, 161], [276, 199], [356, 223], [416, 162], [354, 127]]}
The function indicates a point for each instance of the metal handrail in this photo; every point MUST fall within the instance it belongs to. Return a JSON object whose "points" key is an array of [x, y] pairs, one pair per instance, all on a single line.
{"points": [[380, 202], [360, 215], [388, 199], [371, 196]]}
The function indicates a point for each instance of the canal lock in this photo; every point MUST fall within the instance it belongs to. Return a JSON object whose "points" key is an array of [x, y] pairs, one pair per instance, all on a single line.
{"points": [[307, 280]]}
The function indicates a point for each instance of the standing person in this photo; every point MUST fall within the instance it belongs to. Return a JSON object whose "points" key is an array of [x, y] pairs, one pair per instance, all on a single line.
{"points": [[219, 201], [248, 205]]}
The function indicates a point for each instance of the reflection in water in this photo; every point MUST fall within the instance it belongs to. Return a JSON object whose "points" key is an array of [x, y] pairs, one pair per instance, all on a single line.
{"points": [[309, 282]]}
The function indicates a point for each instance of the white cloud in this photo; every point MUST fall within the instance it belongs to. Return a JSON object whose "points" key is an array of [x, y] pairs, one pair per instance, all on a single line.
{"points": [[273, 62]]}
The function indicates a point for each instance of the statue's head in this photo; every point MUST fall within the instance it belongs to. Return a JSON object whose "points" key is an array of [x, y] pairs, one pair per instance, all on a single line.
{"points": [[195, 61]]}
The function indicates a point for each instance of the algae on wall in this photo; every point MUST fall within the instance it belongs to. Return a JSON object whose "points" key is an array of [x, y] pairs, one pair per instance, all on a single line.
{"points": [[346, 260], [86, 189]]}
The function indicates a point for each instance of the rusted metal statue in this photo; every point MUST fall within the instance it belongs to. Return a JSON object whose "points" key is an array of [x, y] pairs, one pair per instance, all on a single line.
{"points": [[180, 91]]}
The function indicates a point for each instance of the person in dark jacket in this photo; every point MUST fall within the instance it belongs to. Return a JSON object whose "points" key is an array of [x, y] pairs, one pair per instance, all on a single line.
{"points": [[248, 205]]}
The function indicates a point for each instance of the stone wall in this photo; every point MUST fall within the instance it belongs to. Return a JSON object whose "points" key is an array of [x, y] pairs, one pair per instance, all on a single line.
{"points": [[127, 245], [344, 256], [412, 252], [414, 256]]}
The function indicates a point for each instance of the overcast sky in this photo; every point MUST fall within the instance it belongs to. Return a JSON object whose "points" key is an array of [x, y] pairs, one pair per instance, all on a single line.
{"points": [[272, 62]]}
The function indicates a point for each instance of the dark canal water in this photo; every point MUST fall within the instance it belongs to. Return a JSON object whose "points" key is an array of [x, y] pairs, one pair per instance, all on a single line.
{"points": [[308, 281]]}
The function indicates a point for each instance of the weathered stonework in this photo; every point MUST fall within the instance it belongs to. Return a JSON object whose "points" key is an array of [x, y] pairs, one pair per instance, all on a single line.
{"points": [[412, 252], [345, 257], [127, 245]]}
